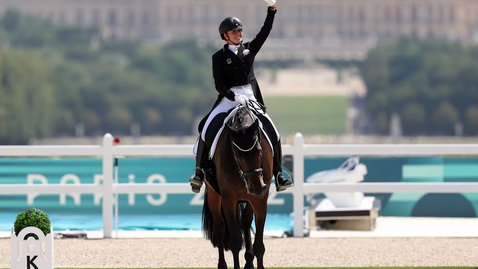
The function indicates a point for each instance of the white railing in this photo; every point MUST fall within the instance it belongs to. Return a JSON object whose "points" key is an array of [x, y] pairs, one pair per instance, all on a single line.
{"points": [[298, 150]]}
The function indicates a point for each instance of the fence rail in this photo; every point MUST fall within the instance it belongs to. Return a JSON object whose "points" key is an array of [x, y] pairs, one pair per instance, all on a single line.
{"points": [[108, 152]]}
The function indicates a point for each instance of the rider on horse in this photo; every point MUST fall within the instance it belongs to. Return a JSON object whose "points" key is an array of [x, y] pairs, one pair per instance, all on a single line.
{"points": [[235, 81]]}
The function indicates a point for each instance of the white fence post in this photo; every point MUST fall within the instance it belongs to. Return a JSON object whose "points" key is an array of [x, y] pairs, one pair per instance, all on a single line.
{"points": [[298, 189], [107, 185]]}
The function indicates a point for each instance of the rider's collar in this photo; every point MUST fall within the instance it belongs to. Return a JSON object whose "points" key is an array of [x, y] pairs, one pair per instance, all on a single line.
{"points": [[234, 48]]}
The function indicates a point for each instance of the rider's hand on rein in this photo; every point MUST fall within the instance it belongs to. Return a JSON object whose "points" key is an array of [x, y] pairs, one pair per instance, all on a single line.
{"points": [[241, 99]]}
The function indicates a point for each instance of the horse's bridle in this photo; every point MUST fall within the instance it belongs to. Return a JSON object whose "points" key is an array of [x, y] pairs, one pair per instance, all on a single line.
{"points": [[243, 174]]}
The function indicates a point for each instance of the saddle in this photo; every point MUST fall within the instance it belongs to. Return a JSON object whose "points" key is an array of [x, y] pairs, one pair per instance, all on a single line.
{"points": [[216, 127]]}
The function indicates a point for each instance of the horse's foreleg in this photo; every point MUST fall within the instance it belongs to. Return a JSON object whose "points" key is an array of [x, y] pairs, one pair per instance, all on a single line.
{"points": [[218, 226], [260, 212], [246, 221], [235, 236]]}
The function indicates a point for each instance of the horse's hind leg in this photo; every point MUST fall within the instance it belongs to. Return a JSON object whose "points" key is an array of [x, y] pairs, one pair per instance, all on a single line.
{"points": [[246, 221], [260, 212], [218, 225]]}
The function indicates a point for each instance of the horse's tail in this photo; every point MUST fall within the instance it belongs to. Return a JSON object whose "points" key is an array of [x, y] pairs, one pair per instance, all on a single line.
{"points": [[208, 223]]}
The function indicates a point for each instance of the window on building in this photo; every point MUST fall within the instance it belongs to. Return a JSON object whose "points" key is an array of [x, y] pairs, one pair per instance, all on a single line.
{"points": [[146, 18], [167, 16], [387, 14], [190, 14], [327, 16], [172, 15], [362, 15], [406, 13], [441, 14], [430, 16], [377, 14], [96, 17], [318, 13], [112, 20], [131, 19], [79, 17], [452, 14], [205, 16], [340, 14], [351, 15], [213, 11], [305, 13], [398, 14], [414, 14]]}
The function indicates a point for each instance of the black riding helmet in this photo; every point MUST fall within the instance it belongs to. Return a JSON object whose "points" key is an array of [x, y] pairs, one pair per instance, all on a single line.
{"points": [[229, 24]]}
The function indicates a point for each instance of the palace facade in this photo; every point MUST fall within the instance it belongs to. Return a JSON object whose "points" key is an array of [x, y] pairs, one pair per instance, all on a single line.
{"points": [[303, 22]]}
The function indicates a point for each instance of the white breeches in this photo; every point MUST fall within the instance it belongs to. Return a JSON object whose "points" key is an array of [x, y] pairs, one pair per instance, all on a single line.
{"points": [[226, 104]]}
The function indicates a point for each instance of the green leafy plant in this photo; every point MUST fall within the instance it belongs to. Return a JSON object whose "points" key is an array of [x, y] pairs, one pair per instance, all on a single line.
{"points": [[32, 218]]}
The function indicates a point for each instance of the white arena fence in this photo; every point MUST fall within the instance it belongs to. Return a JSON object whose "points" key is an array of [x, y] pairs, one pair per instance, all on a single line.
{"points": [[107, 151]]}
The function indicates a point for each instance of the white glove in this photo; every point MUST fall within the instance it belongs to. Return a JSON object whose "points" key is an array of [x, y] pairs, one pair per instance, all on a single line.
{"points": [[270, 2], [241, 99]]}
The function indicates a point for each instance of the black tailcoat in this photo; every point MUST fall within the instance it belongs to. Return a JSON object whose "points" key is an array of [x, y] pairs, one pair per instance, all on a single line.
{"points": [[229, 69]]}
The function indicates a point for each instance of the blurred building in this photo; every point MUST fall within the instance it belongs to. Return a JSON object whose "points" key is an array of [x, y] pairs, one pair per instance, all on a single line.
{"points": [[301, 27]]}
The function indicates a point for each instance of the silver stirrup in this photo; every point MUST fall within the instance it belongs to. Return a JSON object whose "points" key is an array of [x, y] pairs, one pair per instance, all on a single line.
{"points": [[191, 177]]}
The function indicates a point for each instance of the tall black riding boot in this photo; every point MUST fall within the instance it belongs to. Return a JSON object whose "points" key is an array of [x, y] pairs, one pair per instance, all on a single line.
{"points": [[281, 182], [201, 158]]}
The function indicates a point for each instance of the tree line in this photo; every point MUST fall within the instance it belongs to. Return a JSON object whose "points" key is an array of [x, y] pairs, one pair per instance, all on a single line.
{"points": [[55, 77], [431, 84]]}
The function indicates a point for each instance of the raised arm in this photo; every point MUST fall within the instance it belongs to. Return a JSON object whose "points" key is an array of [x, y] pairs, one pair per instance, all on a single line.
{"points": [[261, 37]]}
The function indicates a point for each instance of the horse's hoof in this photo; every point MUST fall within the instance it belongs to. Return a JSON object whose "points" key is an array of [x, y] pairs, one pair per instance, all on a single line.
{"points": [[221, 265], [249, 266]]}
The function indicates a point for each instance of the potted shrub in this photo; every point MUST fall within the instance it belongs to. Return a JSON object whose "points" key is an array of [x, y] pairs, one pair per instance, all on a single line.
{"points": [[32, 218], [32, 241]]}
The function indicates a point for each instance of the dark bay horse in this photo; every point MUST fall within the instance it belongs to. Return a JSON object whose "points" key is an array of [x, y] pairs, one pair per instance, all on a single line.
{"points": [[239, 190]]}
